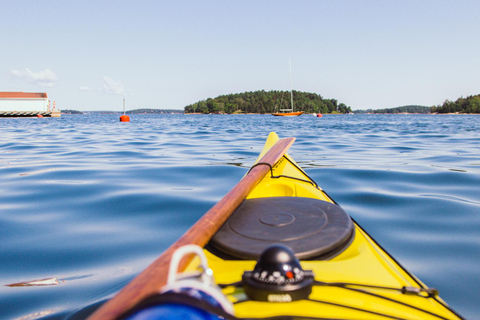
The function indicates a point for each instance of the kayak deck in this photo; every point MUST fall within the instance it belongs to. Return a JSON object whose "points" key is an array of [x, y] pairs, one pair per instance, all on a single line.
{"points": [[362, 263], [362, 281]]}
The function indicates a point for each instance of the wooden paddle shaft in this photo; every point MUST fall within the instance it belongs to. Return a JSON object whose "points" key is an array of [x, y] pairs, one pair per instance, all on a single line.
{"points": [[154, 277]]}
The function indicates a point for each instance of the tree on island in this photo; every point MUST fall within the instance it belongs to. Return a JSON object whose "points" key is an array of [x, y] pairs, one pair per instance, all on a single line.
{"points": [[267, 102], [470, 104]]}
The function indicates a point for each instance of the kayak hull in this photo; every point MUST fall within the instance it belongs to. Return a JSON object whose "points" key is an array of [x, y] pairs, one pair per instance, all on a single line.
{"points": [[361, 281]]}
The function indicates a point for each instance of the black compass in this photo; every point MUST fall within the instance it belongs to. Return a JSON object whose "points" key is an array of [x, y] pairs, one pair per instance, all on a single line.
{"points": [[278, 277]]}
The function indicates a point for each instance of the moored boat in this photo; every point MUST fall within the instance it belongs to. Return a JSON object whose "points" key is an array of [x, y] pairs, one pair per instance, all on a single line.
{"points": [[287, 114], [278, 247]]}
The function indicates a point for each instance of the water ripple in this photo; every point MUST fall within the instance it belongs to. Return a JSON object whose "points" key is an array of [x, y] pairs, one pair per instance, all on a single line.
{"points": [[92, 202]]}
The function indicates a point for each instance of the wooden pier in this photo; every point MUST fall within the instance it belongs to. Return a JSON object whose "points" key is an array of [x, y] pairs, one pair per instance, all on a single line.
{"points": [[18, 114]]}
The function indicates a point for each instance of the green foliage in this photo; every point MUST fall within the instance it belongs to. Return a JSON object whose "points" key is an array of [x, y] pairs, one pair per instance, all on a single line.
{"points": [[470, 104], [267, 102], [403, 109]]}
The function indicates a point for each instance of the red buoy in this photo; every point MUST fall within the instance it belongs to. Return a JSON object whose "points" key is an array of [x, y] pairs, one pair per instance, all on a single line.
{"points": [[39, 116], [124, 118], [319, 115]]}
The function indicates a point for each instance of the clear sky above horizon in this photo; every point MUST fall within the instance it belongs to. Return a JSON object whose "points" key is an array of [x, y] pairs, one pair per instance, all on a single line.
{"points": [[88, 55]]}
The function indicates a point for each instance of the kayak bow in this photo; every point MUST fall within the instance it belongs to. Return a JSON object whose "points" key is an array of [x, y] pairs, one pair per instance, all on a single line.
{"points": [[153, 278], [281, 248]]}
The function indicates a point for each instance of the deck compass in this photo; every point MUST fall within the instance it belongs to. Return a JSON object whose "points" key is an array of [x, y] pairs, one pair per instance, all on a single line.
{"points": [[278, 277]]}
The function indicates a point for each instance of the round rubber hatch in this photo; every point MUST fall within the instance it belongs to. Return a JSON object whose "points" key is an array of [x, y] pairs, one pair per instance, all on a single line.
{"points": [[311, 228]]}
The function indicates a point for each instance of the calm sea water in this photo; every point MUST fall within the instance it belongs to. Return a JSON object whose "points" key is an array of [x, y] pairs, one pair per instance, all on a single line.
{"points": [[91, 201]]}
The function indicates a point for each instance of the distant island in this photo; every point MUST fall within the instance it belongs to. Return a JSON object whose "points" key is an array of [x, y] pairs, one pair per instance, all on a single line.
{"points": [[267, 102], [136, 111], [397, 110], [470, 104], [154, 111], [68, 111]]}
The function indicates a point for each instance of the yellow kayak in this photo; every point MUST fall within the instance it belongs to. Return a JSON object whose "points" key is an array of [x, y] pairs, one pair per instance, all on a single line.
{"points": [[288, 251]]}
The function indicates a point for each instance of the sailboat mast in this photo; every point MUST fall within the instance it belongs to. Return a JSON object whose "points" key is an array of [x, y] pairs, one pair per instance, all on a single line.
{"points": [[291, 85]]}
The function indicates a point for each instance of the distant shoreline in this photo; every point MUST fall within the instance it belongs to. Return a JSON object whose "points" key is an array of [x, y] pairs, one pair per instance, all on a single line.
{"points": [[219, 114]]}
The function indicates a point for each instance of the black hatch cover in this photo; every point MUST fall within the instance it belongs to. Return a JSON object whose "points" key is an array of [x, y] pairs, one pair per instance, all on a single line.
{"points": [[312, 228]]}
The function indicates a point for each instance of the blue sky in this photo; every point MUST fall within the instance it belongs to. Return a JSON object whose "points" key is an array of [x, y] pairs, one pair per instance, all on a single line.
{"points": [[88, 55]]}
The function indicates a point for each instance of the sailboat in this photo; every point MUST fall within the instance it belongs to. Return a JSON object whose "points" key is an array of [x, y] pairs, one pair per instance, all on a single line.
{"points": [[289, 112]]}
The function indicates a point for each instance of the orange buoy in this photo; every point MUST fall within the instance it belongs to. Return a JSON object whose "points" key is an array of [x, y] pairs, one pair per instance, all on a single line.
{"points": [[124, 118], [39, 116], [319, 115]]}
